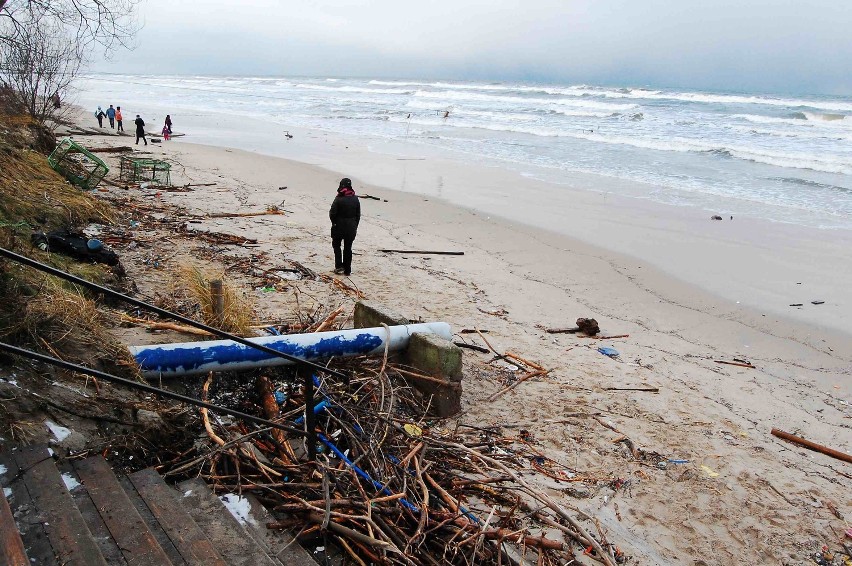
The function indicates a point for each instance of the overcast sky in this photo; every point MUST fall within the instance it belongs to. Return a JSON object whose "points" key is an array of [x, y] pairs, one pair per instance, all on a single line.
{"points": [[771, 45]]}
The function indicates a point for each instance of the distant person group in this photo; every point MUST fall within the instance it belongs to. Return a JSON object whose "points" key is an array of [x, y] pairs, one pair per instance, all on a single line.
{"points": [[113, 114]]}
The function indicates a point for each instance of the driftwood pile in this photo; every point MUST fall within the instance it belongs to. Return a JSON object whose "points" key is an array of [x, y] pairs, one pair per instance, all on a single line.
{"points": [[389, 486]]}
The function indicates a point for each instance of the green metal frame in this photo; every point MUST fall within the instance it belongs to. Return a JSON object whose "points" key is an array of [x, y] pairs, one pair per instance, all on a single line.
{"points": [[77, 164], [140, 170]]}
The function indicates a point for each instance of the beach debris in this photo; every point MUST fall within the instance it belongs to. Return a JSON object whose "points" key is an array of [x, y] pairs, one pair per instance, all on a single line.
{"points": [[587, 326], [709, 471], [117, 149], [270, 210], [796, 304], [371, 197], [715, 217], [472, 347], [77, 164], [812, 445], [288, 135], [740, 363], [609, 352], [646, 389], [422, 252], [817, 302], [76, 245]]}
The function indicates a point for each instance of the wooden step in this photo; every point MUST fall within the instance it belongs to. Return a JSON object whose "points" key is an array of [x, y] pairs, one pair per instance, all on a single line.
{"points": [[162, 538], [279, 544], [66, 530], [233, 542], [106, 544], [29, 524], [12, 551], [131, 534], [188, 538]]}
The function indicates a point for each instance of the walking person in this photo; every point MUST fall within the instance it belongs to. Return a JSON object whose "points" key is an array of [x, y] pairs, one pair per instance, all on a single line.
{"points": [[168, 125], [140, 129], [99, 114], [111, 115], [345, 214], [118, 119]]}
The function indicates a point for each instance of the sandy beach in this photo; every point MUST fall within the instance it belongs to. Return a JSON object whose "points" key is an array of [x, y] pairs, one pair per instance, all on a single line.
{"points": [[684, 289]]}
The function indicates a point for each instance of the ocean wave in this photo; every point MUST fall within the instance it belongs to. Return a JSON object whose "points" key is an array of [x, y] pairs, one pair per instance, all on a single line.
{"points": [[810, 183], [451, 96], [355, 89], [707, 98]]}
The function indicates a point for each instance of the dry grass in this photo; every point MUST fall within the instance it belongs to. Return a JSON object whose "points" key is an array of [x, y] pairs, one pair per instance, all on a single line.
{"points": [[238, 314], [32, 192], [63, 323]]}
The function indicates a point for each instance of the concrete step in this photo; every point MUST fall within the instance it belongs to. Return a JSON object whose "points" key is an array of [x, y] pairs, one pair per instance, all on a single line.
{"points": [[194, 546], [69, 536], [236, 545], [136, 542]]}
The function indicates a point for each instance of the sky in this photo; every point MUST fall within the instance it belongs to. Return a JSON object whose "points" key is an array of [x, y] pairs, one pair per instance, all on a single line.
{"points": [[783, 46]]}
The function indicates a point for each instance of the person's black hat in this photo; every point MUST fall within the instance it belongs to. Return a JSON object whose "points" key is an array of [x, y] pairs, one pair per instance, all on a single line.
{"points": [[345, 182]]}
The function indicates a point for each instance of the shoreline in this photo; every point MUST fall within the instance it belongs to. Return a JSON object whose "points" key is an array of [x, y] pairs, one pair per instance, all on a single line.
{"points": [[762, 264], [515, 280]]}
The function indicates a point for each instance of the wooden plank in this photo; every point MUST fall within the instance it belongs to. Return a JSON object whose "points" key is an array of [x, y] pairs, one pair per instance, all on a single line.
{"points": [[188, 538], [131, 534], [106, 544], [29, 523], [228, 536], [69, 536], [12, 551], [162, 538], [279, 543]]}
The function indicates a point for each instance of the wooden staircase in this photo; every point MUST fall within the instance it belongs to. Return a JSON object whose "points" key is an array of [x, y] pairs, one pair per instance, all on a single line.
{"points": [[137, 520]]}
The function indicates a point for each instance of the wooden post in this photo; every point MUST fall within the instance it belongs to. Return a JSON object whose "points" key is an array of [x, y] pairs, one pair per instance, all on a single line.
{"points": [[310, 418], [217, 298]]}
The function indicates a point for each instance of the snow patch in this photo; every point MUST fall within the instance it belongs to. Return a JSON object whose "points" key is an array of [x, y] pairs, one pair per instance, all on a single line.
{"points": [[70, 481], [239, 507], [3, 470], [7, 492], [60, 432]]}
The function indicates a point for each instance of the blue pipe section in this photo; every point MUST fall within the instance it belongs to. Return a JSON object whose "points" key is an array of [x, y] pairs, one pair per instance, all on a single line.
{"points": [[379, 486], [195, 358]]}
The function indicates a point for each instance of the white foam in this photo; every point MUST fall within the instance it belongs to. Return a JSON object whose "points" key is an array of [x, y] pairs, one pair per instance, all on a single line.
{"points": [[60, 432], [239, 507]]}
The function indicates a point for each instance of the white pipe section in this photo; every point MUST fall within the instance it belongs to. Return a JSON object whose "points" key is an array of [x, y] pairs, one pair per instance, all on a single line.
{"points": [[194, 358]]}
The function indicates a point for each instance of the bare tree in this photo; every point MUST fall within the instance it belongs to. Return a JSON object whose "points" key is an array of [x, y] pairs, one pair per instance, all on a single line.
{"points": [[37, 69], [110, 23]]}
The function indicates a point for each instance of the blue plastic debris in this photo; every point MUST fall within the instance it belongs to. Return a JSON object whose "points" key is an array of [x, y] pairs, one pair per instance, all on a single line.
{"points": [[606, 351], [280, 397]]}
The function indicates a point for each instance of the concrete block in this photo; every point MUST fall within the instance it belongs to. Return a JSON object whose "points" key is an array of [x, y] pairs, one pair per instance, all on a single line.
{"points": [[435, 356], [371, 315]]}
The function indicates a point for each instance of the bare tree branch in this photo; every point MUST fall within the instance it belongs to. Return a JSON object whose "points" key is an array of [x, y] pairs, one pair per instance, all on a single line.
{"points": [[37, 69], [109, 23]]}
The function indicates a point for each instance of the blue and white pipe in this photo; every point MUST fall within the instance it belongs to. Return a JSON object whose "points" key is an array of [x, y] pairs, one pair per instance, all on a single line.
{"points": [[196, 358]]}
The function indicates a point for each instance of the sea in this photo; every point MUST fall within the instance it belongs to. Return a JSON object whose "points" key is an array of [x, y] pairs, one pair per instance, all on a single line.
{"points": [[784, 158]]}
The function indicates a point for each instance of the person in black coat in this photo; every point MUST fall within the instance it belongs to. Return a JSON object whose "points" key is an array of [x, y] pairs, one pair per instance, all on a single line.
{"points": [[345, 214], [140, 130]]}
